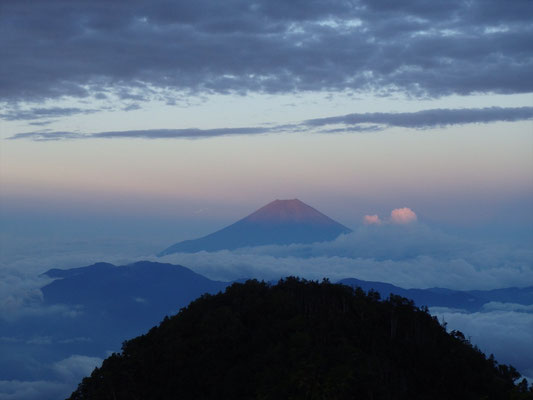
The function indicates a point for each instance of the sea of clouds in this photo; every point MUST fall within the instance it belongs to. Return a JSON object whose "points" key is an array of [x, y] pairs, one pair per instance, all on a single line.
{"points": [[398, 250], [410, 256]]}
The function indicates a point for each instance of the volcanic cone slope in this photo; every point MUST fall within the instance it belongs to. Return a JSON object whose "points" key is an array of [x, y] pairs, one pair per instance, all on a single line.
{"points": [[279, 222]]}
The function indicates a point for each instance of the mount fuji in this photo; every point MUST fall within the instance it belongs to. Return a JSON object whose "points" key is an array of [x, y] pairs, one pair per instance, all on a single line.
{"points": [[280, 222]]}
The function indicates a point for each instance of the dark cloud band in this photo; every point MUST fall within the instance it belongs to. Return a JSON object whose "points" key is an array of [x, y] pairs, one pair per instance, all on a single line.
{"points": [[136, 49], [429, 118], [364, 122]]}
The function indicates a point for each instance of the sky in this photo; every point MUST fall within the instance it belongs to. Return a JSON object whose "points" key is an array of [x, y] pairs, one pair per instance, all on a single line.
{"points": [[205, 112], [127, 126]]}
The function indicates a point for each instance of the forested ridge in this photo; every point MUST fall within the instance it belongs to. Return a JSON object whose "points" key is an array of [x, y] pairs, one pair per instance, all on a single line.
{"points": [[301, 340]]}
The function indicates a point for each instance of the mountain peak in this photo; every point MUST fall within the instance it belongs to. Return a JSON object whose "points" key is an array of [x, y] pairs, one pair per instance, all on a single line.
{"points": [[280, 222], [292, 210]]}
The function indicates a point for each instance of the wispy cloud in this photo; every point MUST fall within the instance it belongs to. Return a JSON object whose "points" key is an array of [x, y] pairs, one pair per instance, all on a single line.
{"points": [[354, 123], [192, 133], [43, 136], [17, 114], [182, 133], [425, 119]]}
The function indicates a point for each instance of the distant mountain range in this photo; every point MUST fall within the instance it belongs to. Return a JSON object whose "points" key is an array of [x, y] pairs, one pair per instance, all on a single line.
{"points": [[95, 308], [161, 288], [468, 300], [113, 303], [280, 222]]}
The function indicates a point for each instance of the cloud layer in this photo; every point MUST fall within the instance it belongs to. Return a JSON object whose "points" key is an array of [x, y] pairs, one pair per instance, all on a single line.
{"points": [[63, 377], [407, 255], [363, 122], [145, 50], [506, 334]]}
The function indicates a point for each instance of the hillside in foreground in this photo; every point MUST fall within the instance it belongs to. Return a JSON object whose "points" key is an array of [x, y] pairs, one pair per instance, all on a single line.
{"points": [[300, 340]]}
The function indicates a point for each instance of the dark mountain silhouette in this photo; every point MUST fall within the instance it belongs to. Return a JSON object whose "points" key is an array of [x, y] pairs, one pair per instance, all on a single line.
{"points": [[133, 297], [100, 267], [159, 288], [422, 297], [105, 304], [148, 284], [469, 300], [300, 340], [279, 222], [504, 295], [110, 303]]}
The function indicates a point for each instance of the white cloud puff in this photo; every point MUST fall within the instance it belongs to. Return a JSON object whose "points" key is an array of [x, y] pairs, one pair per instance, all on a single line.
{"points": [[402, 216], [67, 373], [76, 366], [371, 220]]}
